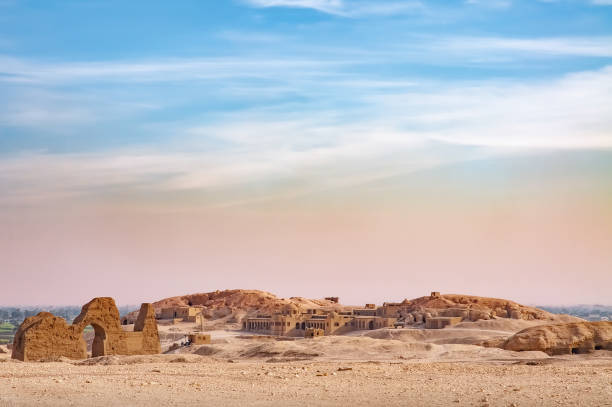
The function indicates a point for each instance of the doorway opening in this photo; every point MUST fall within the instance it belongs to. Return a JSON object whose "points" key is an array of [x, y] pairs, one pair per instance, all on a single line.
{"points": [[95, 339]]}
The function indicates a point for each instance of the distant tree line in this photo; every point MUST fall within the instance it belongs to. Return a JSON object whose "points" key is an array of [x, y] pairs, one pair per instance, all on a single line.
{"points": [[595, 312], [12, 317]]}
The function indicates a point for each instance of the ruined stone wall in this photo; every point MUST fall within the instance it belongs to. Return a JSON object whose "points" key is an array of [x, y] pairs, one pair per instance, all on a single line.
{"points": [[199, 339], [147, 326], [441, 322], [47, 336], [313, 332]]}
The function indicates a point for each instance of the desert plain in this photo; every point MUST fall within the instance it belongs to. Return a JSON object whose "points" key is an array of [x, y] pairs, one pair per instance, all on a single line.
{"points": [[466, 364], [389, 369]]}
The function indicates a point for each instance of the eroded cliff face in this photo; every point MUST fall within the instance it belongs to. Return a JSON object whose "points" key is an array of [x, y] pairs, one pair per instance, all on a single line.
{"points": [[557, 339], [46, 336]]}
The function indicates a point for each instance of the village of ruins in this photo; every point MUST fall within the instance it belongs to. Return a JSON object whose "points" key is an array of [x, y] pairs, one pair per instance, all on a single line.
{"points": [[236, 345]]}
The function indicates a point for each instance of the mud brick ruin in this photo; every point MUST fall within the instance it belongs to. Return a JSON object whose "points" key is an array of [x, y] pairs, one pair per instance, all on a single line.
{"points": [[199, 339], [45, 336]]}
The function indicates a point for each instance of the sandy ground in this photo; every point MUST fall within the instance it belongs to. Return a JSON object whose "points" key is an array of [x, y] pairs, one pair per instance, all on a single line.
{"points": [[197, 380], [388, 367]]}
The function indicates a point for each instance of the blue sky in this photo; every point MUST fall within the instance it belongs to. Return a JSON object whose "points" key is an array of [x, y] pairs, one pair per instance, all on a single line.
{"points": [[477, 118], [98, 75], [310, 83]]}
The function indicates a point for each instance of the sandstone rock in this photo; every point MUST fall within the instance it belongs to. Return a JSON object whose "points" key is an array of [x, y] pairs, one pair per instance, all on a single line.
{"points": [[477, 308], [46, 336], [576, 337], [237, 304]]}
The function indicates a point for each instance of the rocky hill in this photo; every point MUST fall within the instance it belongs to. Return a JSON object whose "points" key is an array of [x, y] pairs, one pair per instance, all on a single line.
{"points": [[576, 337], [233, 305], [240, 303], [477, 308]]}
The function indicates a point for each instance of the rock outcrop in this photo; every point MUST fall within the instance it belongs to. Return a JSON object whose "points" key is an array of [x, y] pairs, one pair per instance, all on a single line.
{"points": [[472, 308], [46, 336], [557, 339], [238, 303], [234, 305]]}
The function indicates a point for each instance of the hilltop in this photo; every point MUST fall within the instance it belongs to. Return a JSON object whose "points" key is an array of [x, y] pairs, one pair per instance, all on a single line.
{"points": [[475, 308], [233, 305], [236, 304]]}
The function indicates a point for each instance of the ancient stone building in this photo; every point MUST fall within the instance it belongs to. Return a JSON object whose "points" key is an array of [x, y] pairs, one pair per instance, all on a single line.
{"points": [[47, 336], [431, 311], [441, 322], [392, 309], [199, 339], [313, 332], [291, 321], [184, 314]]}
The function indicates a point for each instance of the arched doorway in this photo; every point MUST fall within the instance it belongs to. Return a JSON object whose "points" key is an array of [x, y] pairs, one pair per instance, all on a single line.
{"points": [[371, 325], [98, 347], [95, 338]]}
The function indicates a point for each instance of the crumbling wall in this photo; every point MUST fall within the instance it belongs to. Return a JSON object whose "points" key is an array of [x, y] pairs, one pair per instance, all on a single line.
{"points": [[441, 322], [47, 336], [313, 332], [199, 339], [147, 324]]}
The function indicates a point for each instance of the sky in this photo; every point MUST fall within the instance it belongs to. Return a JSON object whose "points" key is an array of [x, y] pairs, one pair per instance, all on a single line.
{"points": [[373, 150]]}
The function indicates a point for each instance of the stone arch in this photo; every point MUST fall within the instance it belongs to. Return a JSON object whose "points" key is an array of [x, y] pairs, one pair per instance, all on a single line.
{"points": [[371, 325], [45, 335]]}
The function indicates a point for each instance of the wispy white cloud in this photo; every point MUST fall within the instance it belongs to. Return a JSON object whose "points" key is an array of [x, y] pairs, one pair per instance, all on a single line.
{"points": [[250, 36], [326, 6], [229, 160], [24, 71], [32, 97], [490, 3], [355, 8], [571, 112], [574, 46], [330, 60]]}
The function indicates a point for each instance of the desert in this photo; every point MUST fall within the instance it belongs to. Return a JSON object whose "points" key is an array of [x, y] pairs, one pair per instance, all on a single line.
{"points": [[469, 363], [306, 203]]}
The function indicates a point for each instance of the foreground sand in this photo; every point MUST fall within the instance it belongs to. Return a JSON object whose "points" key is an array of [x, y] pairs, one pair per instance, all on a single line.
{"points": [[196, 380], [387, 367]]}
